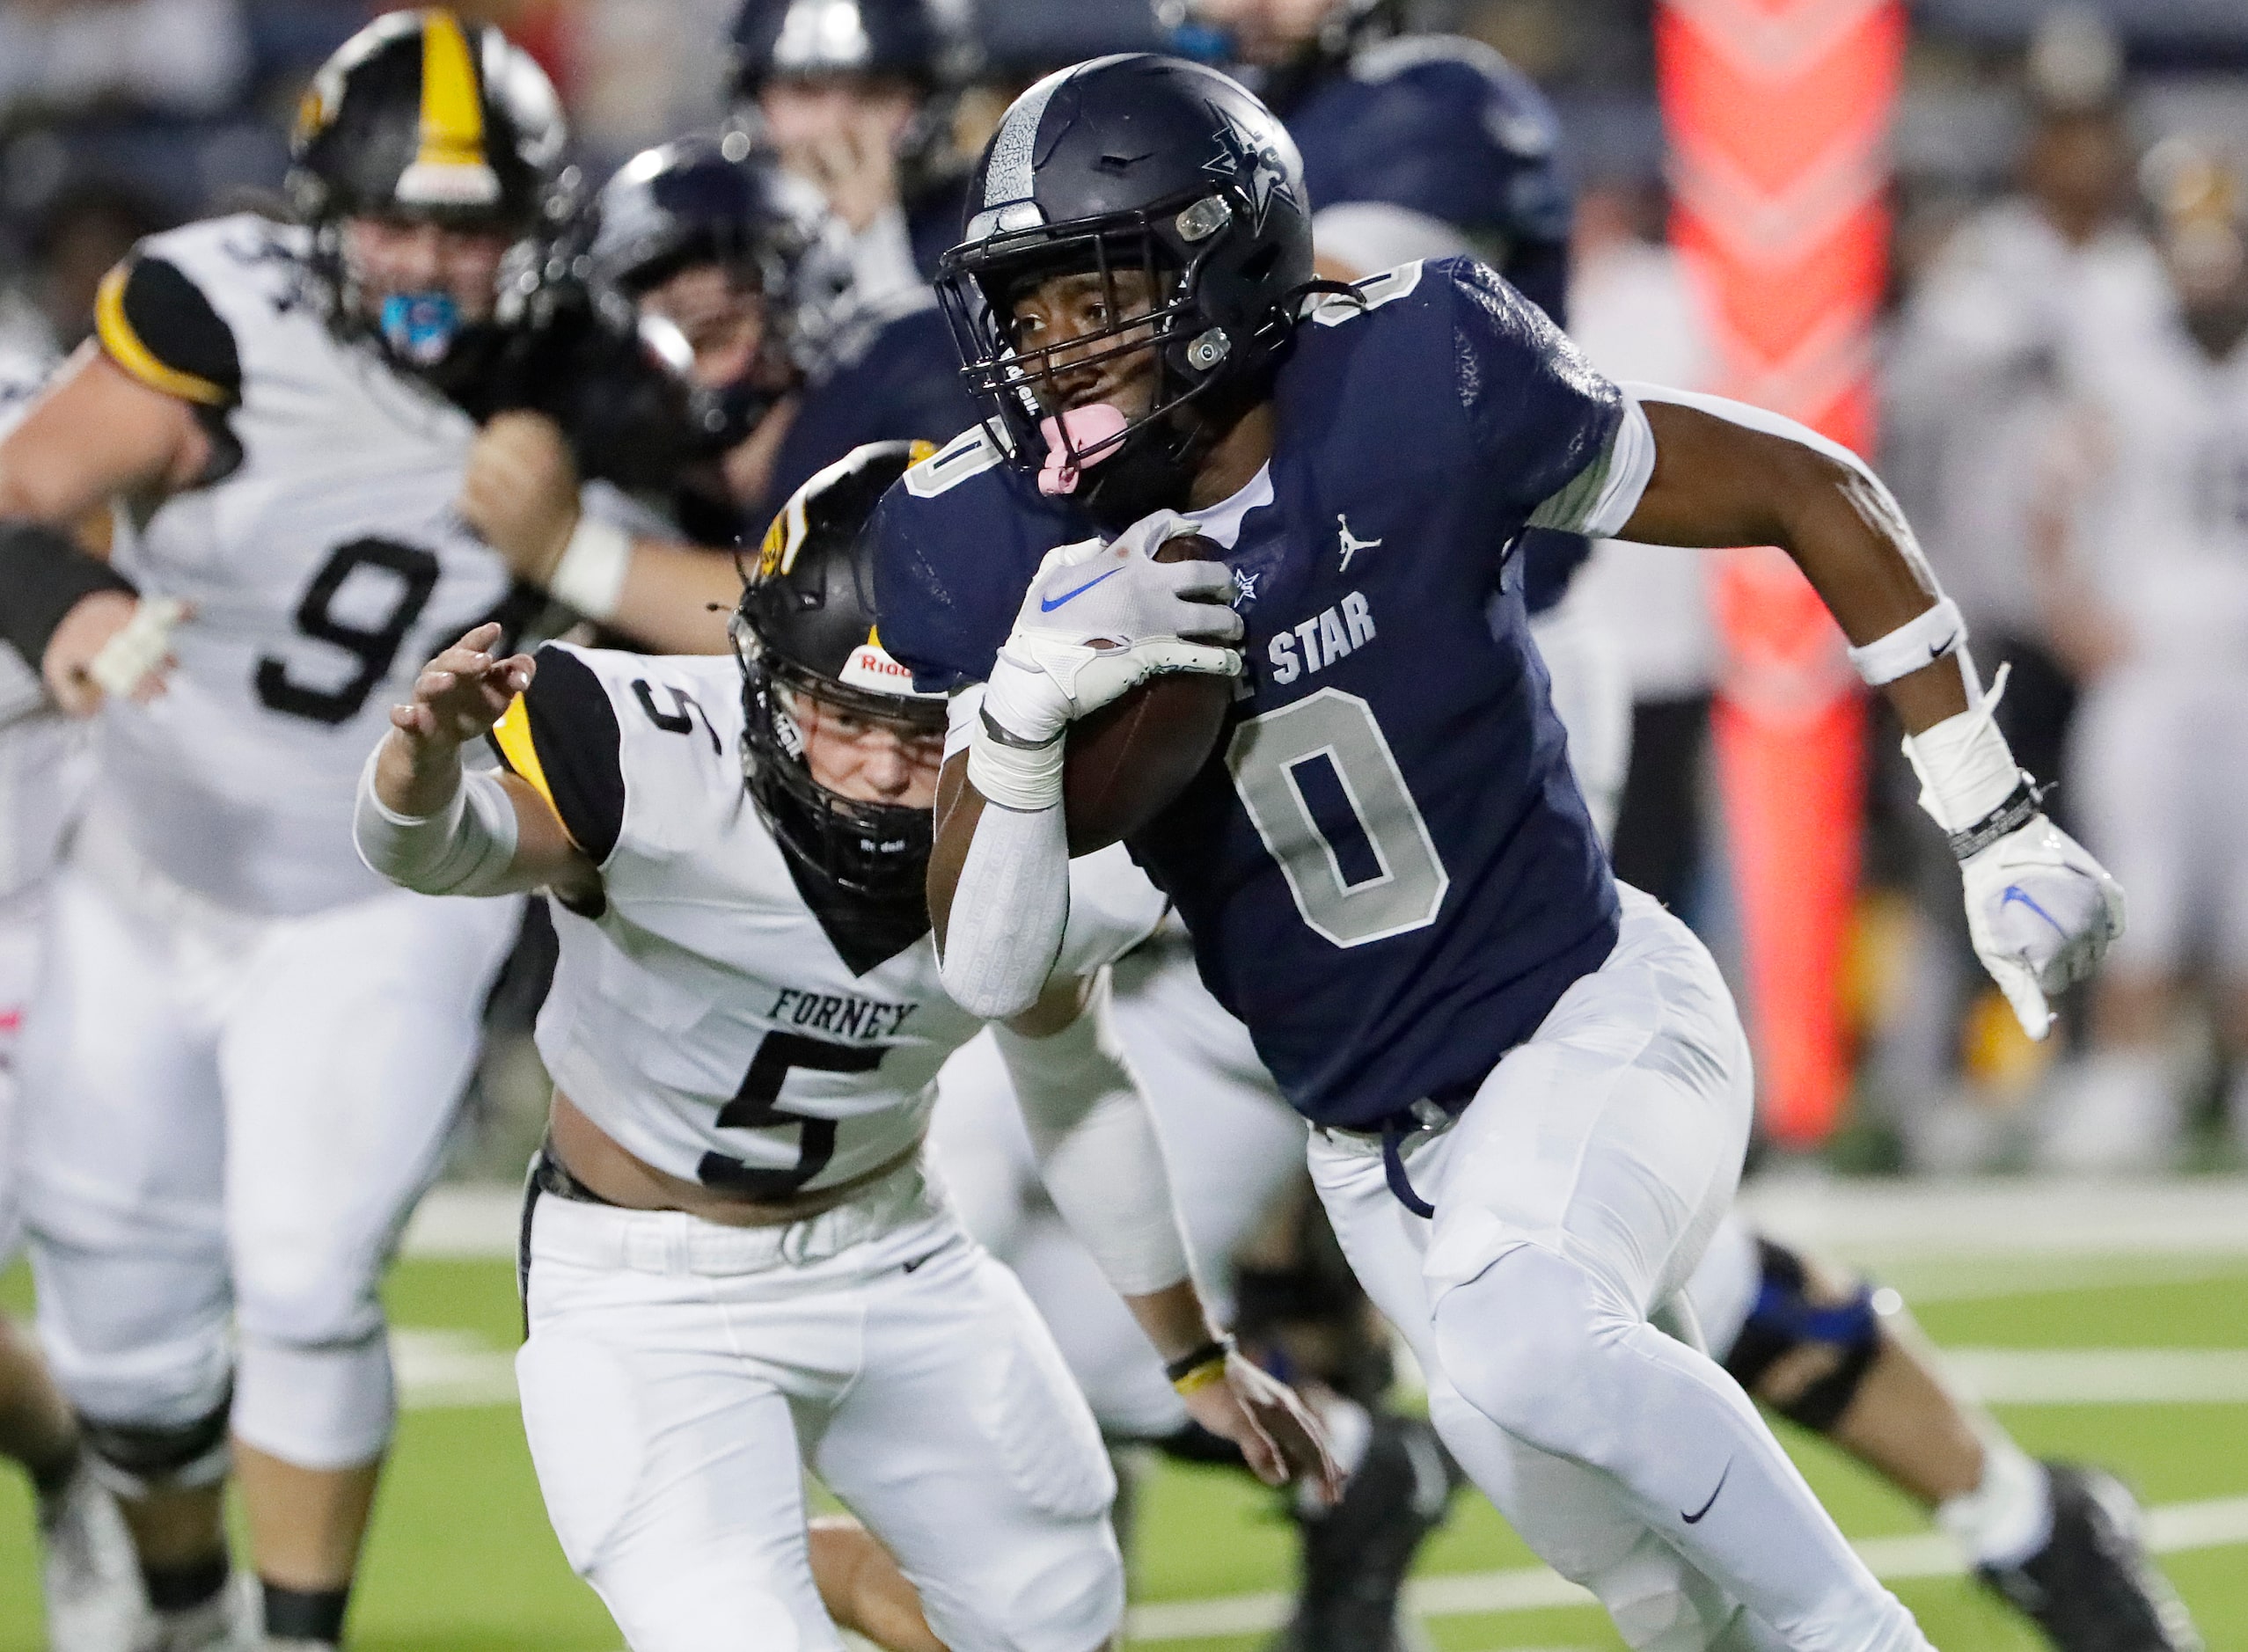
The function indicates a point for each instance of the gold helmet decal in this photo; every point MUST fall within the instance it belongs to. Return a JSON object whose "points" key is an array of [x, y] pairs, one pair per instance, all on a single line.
{"points": [[451, 169]]}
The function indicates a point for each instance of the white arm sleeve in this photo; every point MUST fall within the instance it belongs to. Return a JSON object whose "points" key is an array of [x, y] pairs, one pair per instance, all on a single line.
{"points": [[1008, 912], [466, 848], [1011, 905], [1096, 1149]]}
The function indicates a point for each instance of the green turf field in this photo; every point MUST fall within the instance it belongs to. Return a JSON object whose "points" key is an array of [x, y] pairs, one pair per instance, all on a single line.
{"points": [[461, 1558]]}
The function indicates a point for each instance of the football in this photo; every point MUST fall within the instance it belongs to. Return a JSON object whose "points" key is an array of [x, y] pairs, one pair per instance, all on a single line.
{"points": [[1126, 763]]}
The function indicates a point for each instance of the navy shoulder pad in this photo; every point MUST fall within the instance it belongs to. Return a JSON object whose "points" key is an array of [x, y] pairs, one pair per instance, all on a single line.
{"points": [[956, 539], [1537, 411]]}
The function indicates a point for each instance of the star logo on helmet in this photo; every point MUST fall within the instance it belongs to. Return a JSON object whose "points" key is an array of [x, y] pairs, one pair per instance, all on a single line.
{"points": [[1252, 160]]}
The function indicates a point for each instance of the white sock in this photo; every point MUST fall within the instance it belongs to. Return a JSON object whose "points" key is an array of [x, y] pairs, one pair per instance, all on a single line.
{"points": [[2008, 1518]]}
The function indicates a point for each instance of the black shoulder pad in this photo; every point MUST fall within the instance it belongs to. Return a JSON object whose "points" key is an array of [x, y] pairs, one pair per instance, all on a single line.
{"points": [[157, 325], [562, 738]]}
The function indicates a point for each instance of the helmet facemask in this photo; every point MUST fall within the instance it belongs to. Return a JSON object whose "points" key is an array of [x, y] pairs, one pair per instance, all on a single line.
{"points": [[1212, 353]]}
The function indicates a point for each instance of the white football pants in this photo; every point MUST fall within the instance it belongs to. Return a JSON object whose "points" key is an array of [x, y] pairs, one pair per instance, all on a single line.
{"points": [[1574, 1197], [1230, 1142], [230, 1116], [22, 917], [43, 766], [676, 1371]]}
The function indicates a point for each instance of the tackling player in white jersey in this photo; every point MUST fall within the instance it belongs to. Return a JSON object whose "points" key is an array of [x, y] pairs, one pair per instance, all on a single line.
{"points": [[2146, 582], [242, 1065], [732, 1253]]}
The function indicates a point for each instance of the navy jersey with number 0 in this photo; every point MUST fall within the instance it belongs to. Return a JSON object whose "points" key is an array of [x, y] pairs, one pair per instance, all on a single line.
{"points": [[1385, 866]]}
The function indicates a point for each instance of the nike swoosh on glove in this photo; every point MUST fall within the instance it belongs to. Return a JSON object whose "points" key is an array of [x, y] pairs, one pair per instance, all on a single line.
{"points": [[1100, 619], [2040, 912]]}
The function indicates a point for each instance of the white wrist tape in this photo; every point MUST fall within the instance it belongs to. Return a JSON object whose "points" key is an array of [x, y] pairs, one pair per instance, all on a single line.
{"points": [[1097, 1153], [1966, 771], [1024, 778], [465, 848], [590, 574], [1920, 641], [138, 647]]}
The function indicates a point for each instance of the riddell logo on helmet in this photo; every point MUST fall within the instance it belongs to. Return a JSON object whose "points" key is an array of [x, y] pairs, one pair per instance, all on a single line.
{"points": [[871, 666]]}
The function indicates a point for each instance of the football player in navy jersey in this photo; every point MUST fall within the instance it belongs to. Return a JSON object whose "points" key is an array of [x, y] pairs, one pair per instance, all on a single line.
{"points": [[735, 269], [1425, 146], [1529, 1089], [857, 95]]}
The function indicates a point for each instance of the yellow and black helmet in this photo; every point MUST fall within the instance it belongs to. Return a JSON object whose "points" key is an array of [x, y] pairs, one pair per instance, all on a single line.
{"points": [[422, 115], [806, 628]]}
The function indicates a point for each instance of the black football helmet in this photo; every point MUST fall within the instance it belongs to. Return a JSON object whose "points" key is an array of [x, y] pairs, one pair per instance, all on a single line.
{"points": [[1134, 162], [805, 628], [421, 116], [719, 201]]}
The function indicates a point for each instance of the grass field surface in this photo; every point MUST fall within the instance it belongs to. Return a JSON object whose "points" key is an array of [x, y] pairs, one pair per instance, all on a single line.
{"points": [[2135, 1356]]}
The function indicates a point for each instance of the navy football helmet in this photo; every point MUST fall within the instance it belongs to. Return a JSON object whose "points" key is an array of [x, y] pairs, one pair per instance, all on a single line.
{"points": [[925, 41], [1134, 162], [718, 200]]}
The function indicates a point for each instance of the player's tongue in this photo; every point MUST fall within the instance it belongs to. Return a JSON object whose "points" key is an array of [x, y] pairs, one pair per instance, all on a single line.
{"points": [[1077, 429]]}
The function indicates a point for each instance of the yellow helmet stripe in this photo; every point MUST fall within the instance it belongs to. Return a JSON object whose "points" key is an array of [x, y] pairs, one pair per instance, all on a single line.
{"points": [[452, 115], [124, 347]]}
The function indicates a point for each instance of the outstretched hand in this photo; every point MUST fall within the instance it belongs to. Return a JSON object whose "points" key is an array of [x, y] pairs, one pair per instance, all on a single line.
{"points": [[1278, 1437], [462, 692]]}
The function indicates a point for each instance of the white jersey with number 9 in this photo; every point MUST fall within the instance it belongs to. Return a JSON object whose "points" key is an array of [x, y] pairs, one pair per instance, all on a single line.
{"points": [[320, 570]]}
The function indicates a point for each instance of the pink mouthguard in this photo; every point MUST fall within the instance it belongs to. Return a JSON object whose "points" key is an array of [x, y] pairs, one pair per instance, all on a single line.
{"points": [[1077, 429]]}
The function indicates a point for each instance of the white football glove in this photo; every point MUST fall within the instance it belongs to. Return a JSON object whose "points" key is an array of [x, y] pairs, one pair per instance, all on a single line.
{"points": [[1100, 619], [2040, 912]]}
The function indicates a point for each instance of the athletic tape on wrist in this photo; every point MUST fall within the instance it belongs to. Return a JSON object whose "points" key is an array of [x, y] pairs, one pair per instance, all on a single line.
{"points": [[1966, 771], [1025, 778], [1919, 642], [138, 648], [591, 575]]}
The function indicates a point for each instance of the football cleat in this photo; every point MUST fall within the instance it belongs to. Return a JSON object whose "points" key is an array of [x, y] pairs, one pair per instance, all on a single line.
{"points": [[88, 1574], [1354, 1558], [2092, 1587]]}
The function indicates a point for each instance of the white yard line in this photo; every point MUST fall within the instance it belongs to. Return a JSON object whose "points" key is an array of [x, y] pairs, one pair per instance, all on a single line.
{"points": [[1865, 1220], [2016, 1217], [2101, 1376], [2217, 1524], [448, 1370]]}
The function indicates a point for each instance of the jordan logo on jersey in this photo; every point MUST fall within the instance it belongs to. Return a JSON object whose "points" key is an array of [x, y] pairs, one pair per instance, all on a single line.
{"points": [[1349, 543]]}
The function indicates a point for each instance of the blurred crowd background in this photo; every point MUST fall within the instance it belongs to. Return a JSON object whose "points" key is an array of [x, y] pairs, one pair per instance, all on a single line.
{"points": [[2063, 408]]}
